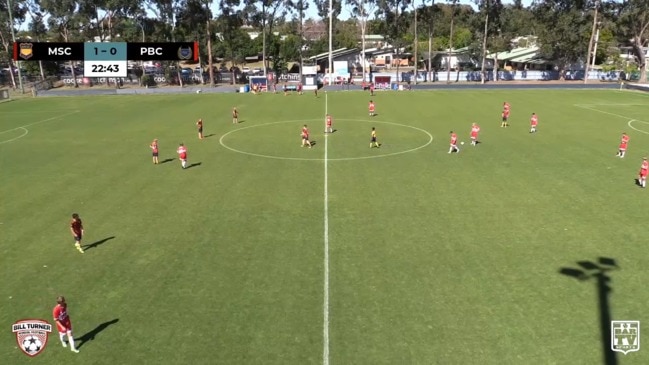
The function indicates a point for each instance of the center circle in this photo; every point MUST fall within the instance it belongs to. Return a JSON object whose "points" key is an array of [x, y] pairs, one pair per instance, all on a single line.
{"points": [[224, 137], [630, 124]]}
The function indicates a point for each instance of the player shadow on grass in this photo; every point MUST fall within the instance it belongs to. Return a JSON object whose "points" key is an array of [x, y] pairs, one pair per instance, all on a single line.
{"points": [[210, 135], [194, 165], [89, 336], [97, 243], [637, 182], [166, 160], [599, 272]]}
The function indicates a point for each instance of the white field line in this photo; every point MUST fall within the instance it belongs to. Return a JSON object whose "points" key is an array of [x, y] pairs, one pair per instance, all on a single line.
{"points": [[25, 132], [325, 309], [41, 121], [629, 123], [585, 106], [630, 120]]}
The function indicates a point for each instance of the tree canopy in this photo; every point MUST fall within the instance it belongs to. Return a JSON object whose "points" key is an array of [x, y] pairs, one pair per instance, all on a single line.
{"points": [[281, 32]]}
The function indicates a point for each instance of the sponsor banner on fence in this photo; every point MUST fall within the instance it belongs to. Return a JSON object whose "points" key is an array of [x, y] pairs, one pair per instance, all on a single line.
{"points": [[289, 78], [382, 82], [68, 80]]}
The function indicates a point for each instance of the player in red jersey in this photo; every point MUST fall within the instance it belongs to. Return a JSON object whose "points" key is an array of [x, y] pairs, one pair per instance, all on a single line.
{"points": [[475, 129], [534, 121], [505, 114], [371, 89], [371, 108], [154, 151], [624, 141], [454, 147], [305, 136], [63, 323], [642, 176], [182, 155], [235, 115], [329, 128], [76, 227], [299, 88], [199, 125]]}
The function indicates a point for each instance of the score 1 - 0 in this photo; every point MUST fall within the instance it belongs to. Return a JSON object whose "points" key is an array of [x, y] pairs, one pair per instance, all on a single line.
{"points": [[105, 60]]}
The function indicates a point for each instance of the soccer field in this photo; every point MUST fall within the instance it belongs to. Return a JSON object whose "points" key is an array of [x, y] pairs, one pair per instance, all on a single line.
{"points": [[518, 251]]}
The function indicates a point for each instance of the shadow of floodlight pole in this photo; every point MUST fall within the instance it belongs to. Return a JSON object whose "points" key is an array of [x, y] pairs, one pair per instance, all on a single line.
{"points": [[599, 272]]}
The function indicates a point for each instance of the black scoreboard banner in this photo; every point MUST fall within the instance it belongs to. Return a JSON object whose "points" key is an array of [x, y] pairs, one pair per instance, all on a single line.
{"points": [[59, 51]]}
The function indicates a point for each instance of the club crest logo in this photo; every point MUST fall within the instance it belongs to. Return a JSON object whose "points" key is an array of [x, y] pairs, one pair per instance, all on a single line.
{"points": [[26, 50], [185, 53], [32, 335], [625, 336]]}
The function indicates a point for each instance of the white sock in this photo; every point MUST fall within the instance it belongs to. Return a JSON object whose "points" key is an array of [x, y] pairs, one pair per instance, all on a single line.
{"points": [[62, 337], [184, 163], [71, 340], [643, 182]]}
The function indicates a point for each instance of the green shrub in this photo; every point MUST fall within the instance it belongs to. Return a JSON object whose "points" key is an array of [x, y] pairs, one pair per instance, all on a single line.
{"points": [[147, 80]]}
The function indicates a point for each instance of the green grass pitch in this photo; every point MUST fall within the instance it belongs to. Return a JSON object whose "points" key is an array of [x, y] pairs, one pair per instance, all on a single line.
{"points": [[432, 258]]}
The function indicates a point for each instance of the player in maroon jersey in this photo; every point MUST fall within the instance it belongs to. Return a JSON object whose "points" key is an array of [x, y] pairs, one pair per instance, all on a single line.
{"points": [[76, 227], [199, 125], [305, 137]]}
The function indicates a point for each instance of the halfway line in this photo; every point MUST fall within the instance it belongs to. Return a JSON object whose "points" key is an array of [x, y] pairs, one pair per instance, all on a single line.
{"points": [[325, 338]]}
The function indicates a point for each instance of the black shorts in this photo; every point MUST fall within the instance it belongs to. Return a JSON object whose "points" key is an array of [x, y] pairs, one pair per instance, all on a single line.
{"points": [[155, 154], [200, 130], [373, 139], [77, 237], [505, 119]]}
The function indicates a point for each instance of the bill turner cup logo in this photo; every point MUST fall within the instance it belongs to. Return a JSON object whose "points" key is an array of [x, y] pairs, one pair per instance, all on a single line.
{"points": [[31, 335], [625, 336]]}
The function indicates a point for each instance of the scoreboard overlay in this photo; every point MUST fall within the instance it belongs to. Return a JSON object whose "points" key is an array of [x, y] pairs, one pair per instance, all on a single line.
{"points": [[105, 59]]}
